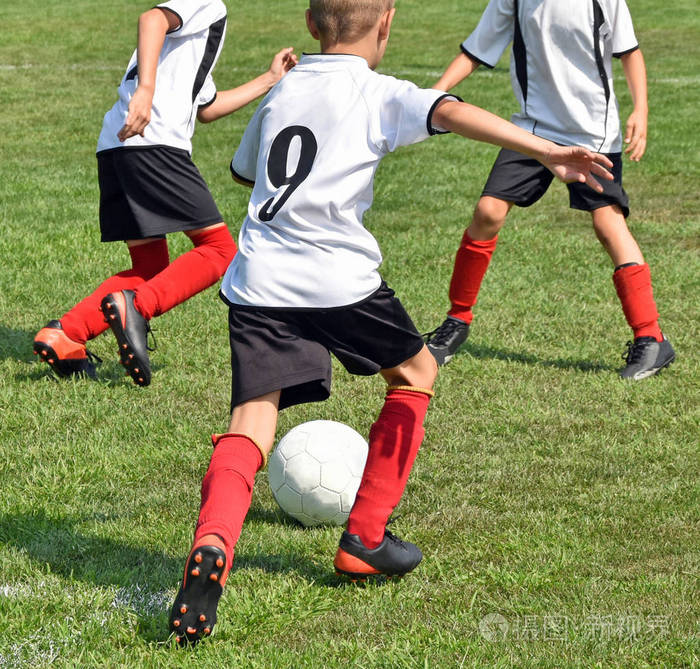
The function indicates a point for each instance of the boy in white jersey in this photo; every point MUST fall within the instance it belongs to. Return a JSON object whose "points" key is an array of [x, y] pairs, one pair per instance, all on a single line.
{"points": [[561, 70], [150, 187], [305, 283]]}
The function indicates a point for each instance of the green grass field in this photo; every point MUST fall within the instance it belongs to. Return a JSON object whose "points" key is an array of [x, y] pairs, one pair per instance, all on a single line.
{"points": [[557, 507]]}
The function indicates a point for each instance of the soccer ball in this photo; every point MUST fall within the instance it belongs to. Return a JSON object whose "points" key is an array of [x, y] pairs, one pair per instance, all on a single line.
{"points": [[315, 472]]}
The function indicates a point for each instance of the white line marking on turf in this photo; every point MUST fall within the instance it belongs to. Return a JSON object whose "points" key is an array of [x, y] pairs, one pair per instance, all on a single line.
{"points": [[674, 81]]}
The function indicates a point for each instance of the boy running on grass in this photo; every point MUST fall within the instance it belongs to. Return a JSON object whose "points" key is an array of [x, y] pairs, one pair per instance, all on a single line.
{"points": [[305, 283], [150, 187], [561, 70]]}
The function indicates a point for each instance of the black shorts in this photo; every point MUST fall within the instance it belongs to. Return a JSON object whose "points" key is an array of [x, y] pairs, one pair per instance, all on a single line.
{"points": [[289, 350], [151, 191], [522, 180]]}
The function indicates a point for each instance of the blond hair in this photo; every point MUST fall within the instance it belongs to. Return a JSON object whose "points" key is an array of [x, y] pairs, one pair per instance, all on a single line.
{"points": [[346, 20]]}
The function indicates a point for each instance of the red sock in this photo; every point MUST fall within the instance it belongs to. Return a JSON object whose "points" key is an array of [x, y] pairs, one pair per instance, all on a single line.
{"points": [[189, 274], [472, 261], [227, 489], [393, 445], [85, 320], [633, 285]]}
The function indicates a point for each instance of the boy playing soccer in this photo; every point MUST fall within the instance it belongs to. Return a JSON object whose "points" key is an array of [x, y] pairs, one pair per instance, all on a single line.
{"points": [[149, 186], [561, 70], [305, 283]]}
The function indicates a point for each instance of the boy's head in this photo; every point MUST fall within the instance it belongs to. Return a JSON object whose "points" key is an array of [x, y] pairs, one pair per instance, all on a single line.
{"points": [[346, 21]]}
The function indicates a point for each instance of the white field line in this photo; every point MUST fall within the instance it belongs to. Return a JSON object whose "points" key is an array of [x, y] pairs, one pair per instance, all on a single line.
{"points": [[671, 81], [41, 648]]}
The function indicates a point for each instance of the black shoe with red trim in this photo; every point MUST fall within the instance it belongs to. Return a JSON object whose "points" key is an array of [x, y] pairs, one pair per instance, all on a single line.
{"points": [[193, 615], [131, 330], [393, 557]]}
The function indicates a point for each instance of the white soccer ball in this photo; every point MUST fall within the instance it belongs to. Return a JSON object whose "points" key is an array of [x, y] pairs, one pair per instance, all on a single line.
{"points": [[315, 472]]}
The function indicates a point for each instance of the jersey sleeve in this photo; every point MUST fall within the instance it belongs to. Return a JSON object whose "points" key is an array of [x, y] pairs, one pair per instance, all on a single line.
{"points": [[207, 93], [194, 15], [623, 38], [493, 33], [405, 115], [245, 161]]}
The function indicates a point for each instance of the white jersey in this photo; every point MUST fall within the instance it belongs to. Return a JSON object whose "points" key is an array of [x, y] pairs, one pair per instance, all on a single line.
{"points": [[183, 79], [561, 64], [312, 149]]}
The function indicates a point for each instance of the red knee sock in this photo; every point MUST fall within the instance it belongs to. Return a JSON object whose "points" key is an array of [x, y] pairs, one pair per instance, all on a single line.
{"points": [[633, 285], [393, 445], [227, 489], [187, 275], [85, 320], [472, 261]]}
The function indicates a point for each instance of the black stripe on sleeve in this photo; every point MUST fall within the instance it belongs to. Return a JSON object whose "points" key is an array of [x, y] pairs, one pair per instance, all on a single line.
{"points": [[216, 34], [468, 54], [206, 104], [624, 53], [172, 11], [239, 178], [431, 130]]}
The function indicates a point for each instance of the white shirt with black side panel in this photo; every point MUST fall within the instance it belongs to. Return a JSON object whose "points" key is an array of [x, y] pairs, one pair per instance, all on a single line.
{"points": [[183, 80], [312, 149], [561, 64]]}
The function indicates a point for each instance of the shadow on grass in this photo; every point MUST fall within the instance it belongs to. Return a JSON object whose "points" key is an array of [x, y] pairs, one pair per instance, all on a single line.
{"points": [[482, 352], [16, 344]]}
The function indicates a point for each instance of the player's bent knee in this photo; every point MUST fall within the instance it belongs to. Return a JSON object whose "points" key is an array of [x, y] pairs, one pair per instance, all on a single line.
{"points": [[420, 371]]}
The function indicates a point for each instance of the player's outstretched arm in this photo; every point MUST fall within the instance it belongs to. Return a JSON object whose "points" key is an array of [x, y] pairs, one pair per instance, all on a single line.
{"points": [[460, 68], [568, 164], [227, 102], [153, 26], [636, 128]]}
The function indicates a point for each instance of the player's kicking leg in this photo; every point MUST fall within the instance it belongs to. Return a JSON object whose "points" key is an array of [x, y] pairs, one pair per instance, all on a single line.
{"points": [[367, 547], [227, 490]]}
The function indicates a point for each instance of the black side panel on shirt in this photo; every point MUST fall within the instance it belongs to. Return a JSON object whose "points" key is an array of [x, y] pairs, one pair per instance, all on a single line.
{"points": [[216, 33], [520, 54], [598, 20]]}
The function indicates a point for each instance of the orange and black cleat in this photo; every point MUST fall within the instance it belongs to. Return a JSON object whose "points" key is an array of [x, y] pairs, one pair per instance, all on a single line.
{"points": [[393, 557], [194, 611], [65, 356], [131, 330]]}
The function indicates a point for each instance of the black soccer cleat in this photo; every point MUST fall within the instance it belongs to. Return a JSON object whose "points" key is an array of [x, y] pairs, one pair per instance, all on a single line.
{"points": [[393, 557], [444, 341], [65, 356], [645, 357], [131, 330], [193, 615]]}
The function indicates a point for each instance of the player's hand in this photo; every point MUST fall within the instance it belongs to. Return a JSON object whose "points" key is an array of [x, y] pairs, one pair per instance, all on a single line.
{"points": [[139, 115], [575, 164], [636, 135], [283, 61]]}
